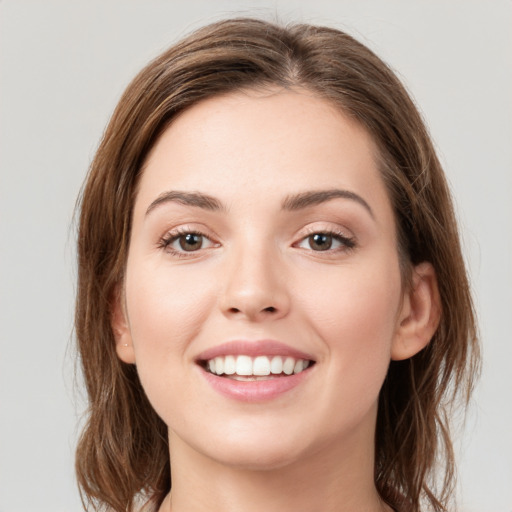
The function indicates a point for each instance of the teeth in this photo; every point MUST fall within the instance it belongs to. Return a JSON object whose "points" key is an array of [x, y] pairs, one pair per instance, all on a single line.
{"points": [[229, 365], [276, 365], [288, 365], [219, 365], [298, 366], [243, 365], [260, 366]]}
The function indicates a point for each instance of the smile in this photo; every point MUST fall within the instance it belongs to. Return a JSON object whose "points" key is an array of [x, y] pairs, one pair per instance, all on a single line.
{"points": [[244, 367], [254, 371]]}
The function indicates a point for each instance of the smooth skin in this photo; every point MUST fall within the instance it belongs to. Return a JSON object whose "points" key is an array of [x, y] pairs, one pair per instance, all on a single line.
{"points": [[252, 262]]}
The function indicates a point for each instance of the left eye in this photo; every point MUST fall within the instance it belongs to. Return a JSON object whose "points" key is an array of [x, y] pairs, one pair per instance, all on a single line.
{"points": [[325, 241]]}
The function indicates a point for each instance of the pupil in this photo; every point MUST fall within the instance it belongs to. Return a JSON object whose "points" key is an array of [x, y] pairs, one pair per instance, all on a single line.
{"points": [[320, 242], [191, 242]]}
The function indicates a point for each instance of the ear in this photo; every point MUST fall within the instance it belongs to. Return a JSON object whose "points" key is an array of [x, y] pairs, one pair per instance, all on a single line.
{"points": [[420, 314], [121, 328]]}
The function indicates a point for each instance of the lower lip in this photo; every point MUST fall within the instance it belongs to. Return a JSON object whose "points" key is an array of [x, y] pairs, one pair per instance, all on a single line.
{"points": [[256, 390]]}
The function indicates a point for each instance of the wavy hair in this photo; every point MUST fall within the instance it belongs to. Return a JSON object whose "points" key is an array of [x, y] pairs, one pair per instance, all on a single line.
{"points": [[122, 454]]}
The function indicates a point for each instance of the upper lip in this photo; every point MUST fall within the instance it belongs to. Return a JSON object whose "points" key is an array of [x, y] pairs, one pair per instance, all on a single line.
{"points": [[253, 349]]}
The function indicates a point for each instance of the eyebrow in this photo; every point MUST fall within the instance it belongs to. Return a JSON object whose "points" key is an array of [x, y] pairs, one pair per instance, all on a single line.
{"points": [[291, 203], [313, 198], [197, 199]]}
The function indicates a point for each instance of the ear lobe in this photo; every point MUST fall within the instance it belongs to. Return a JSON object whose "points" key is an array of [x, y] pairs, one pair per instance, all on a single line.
{"points": [[121, 329], [420, 314]]}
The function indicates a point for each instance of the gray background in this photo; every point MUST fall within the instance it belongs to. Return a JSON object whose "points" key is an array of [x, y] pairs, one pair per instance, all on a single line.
{"points": [[64, 65]]}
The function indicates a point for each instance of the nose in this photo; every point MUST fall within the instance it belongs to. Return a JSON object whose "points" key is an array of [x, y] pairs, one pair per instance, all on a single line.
{"points": [[255, 288]]}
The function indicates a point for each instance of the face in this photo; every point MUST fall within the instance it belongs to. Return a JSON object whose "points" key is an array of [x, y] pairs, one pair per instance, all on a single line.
{"points": [[262, 292]]}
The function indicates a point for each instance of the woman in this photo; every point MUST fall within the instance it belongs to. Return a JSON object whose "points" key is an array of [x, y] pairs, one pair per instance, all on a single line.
{"points": [[273, 308]]}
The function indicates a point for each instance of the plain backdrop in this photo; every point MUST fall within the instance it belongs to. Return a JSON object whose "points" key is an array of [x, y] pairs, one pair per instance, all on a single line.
{"points": [[63, 67]]}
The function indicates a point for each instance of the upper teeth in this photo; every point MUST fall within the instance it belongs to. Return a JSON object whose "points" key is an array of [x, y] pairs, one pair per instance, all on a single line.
{"points": [[261, 365]]}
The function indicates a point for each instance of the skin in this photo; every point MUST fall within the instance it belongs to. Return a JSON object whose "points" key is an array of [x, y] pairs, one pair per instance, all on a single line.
{"points": [[258, 276]]}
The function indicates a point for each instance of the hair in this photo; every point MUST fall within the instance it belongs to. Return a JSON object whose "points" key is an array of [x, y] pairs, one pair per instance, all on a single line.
{"points": [[123, 451]]}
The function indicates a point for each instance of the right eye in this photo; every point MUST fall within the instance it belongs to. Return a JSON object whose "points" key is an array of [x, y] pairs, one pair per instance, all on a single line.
{"points": [[180, 242], [189, 242]]}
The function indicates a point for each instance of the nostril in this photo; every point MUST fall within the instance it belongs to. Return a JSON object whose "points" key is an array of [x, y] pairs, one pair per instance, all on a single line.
{"points": [[252, 312]]}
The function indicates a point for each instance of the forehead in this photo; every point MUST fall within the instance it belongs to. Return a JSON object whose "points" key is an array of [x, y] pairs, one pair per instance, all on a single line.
{"points": [[262, 145]]}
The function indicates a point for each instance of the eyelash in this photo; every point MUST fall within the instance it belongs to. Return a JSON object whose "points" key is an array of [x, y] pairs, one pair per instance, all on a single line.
{"points": [[347, 243], [169, 238]]}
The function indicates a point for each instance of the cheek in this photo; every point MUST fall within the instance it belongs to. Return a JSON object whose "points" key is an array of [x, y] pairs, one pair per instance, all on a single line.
{"points": [[360, 299], [354, 313], [165, 307], [166, 311]]}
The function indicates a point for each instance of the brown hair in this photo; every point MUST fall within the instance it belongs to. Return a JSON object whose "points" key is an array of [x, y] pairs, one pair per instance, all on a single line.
{"points": [[123, 453]]}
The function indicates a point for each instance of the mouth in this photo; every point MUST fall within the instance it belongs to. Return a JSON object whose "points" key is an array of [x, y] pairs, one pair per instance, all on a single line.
{"points": [[255, 371], [247, 368]]}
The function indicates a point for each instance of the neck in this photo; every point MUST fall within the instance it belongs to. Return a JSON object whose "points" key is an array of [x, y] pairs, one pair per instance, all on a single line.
{"points": [[337, 479]]}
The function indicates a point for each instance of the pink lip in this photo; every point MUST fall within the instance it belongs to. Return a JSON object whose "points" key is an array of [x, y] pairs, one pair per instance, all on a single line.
{"points": [[253, 349], [255, 391], [259, 390]]}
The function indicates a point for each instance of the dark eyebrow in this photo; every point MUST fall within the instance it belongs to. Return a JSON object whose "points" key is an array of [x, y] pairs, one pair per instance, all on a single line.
{"points": [[312, 198], [187, 198]]}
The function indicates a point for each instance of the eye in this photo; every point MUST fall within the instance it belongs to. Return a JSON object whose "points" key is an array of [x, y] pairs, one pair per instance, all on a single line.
{"points": [[325, 241], [189, 242], [179, 242]]}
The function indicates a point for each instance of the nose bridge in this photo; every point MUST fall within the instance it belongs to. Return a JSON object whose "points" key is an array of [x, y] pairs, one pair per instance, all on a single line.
{"points": [[254, 284]]}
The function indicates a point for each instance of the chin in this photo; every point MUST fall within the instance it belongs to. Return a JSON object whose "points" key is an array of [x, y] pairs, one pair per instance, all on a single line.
{"points": [[256, 458], [257, 438], [254, 447]]}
